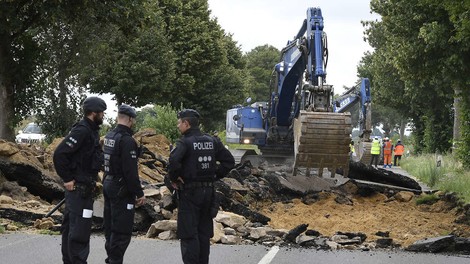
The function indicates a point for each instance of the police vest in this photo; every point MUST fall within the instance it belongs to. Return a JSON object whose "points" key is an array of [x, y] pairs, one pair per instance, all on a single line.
{"points": [[199, 163], [112, 164], [89, 157]]}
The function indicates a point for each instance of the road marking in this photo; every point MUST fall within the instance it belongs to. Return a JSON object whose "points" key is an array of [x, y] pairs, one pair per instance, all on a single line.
{"points": [[269, 256]]}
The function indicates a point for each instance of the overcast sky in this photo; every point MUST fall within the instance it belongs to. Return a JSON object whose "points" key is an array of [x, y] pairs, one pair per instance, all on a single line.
{"points": [[258, 22]]}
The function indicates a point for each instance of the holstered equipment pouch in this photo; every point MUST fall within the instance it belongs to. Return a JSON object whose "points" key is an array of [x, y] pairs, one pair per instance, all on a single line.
{"points": [[85, 190]]}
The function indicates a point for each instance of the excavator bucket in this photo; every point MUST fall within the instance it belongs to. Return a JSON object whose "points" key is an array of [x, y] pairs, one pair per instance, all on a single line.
{"points": [[321, 140], [363, 152]]}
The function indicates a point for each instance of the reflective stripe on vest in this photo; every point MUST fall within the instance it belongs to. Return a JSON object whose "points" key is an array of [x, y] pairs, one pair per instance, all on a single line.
{"points": [[388, 148]]}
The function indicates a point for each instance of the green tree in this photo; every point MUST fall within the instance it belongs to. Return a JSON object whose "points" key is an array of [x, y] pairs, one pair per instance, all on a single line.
{"points": [[46, 48], [414, 47], [129, 57], [389, 101], [59, 106], [209, 76], [260, 64], [19, 55]]}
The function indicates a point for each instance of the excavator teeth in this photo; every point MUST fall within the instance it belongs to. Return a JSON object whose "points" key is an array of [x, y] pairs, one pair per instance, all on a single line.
{"points": [[363, 152], [321, 140]]}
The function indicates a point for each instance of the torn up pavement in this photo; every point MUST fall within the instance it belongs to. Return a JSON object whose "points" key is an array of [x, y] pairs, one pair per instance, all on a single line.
{"points": [[258, 204]]}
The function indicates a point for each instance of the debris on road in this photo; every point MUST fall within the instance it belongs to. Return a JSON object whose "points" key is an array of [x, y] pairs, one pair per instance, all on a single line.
{"points": [[264, 204]]}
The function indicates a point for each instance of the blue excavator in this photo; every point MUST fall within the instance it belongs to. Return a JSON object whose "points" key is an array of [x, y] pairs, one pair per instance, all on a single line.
{"points": [[302, 119]]}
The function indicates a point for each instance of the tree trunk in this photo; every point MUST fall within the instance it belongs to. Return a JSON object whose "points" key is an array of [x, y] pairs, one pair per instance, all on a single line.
{"points": [[402, 128], [457, 136], [6, 92], [62, 91]]}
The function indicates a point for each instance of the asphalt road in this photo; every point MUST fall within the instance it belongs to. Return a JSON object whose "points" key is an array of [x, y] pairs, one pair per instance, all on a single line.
{"points": [[19, 248]]}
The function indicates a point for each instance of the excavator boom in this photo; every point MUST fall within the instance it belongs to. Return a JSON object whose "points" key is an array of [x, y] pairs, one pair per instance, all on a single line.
{"points": [[299, 120]]}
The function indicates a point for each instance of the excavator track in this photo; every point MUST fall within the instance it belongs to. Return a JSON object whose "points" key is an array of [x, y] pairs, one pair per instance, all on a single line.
{"points": [[321, 140]]}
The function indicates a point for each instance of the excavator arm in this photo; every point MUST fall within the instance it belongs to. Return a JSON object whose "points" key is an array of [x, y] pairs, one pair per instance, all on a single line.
{"points": [[299, 119], [346, 101]]}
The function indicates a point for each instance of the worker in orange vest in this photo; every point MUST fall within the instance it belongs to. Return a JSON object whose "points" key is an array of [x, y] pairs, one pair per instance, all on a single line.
{"points": [[387, 150], [398, 152]]}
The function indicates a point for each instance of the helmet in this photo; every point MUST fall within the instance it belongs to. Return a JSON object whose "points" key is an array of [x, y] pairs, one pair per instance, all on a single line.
{"points": [[127, 110], [94, 104], [188, 113], [386, 138]]}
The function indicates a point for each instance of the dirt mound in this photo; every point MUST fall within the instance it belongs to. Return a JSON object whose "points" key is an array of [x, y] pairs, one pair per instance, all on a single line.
{"points": [[405, 221], [27, 172], [248, 191]]}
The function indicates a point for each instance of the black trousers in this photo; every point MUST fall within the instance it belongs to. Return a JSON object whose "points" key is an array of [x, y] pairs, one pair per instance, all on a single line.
{"points": [[395, 159], [76, 228], [374, 157], [118, 221], [195, 227]]}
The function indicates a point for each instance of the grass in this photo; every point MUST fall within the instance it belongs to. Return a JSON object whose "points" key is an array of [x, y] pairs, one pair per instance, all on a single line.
{"points": [[427, 199], [449, 176], [2, 229]]}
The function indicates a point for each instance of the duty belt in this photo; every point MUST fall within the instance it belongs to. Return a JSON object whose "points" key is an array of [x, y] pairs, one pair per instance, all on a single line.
{"points": [[113, 177], [191, 185]]}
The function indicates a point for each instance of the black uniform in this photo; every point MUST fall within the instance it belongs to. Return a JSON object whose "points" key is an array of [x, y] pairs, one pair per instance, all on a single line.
{"points": [[121, 188], [194, 160], [78, 157]]}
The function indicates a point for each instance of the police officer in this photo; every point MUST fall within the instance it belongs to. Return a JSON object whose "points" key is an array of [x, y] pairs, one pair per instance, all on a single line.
{"points": [[77, 160], [122, 189], [195, 163]]}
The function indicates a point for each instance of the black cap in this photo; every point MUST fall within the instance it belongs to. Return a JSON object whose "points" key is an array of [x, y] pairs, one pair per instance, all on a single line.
{"points": [[188, 113], [127, 110], [94, 104]]}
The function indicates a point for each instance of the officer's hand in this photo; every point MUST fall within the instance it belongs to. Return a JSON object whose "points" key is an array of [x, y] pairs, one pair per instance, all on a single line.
{"points": [[176, 183], [69, 186], [139, 201]]}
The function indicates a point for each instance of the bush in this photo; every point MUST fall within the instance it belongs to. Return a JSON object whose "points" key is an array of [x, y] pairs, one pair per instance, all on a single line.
{"points": [[163, 119], [427, 199]]}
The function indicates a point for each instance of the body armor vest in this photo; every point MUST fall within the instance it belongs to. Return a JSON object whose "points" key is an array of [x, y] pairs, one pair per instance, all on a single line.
{"points": [[200, 163], [111, 153]]}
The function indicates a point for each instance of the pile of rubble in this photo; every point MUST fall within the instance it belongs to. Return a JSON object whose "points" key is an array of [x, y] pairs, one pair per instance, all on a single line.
{"points": [[250, 198]]}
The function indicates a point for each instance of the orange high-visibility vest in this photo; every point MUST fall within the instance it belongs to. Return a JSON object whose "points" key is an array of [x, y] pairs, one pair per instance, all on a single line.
{"points": [[399, 149], [388, 148]]}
